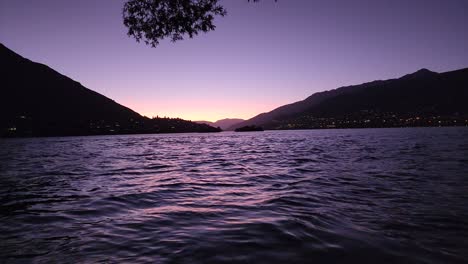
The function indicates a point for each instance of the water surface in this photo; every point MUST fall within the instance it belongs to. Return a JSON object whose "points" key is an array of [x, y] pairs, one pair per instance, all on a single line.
{"points": [[318, 196]]}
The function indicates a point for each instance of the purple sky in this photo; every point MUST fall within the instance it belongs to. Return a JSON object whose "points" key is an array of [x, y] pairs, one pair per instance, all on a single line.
{"points": [[261, 55]]}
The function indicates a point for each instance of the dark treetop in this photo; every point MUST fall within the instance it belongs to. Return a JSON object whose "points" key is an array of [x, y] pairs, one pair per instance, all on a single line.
{"points": [[154, 20]]}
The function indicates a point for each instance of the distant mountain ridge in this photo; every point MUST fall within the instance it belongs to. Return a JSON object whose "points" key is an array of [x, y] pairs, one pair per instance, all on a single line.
{"points": [[38, 101], [421, 93], [224, 124]]}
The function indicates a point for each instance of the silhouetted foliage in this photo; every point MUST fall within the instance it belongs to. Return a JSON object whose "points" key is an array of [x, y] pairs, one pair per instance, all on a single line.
{"points": [[249, 129], [154, 20]]}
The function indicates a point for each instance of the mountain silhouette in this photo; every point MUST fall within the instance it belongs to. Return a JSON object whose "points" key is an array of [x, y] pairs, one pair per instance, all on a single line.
{"points": [[38, 101], [420, 95], [224, 124]]}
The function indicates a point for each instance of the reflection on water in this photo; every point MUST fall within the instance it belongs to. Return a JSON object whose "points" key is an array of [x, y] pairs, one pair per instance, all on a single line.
{"points": [[368, 196]]}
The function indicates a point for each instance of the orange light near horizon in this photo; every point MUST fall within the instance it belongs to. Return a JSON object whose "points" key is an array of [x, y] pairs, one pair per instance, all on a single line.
{"points": [[210, 116], [207, 110]]}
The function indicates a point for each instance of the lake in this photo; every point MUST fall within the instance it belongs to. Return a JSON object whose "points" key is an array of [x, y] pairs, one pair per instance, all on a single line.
{"points": [[316, 196]]}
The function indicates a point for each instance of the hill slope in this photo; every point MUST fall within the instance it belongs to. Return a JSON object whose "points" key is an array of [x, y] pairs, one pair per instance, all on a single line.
{"points": [[422, 94], [224, 124], [38, 101]]}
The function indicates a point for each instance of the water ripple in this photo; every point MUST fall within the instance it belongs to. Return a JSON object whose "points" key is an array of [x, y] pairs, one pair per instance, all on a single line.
{"points": [[364, 196]]}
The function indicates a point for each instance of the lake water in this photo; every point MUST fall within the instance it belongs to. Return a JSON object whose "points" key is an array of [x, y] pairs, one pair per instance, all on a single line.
{"points": [[318, 196]]}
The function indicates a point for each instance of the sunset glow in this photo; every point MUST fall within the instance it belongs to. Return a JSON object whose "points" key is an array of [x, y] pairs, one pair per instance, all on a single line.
{"points": [[260, 56], [233, 131]]}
